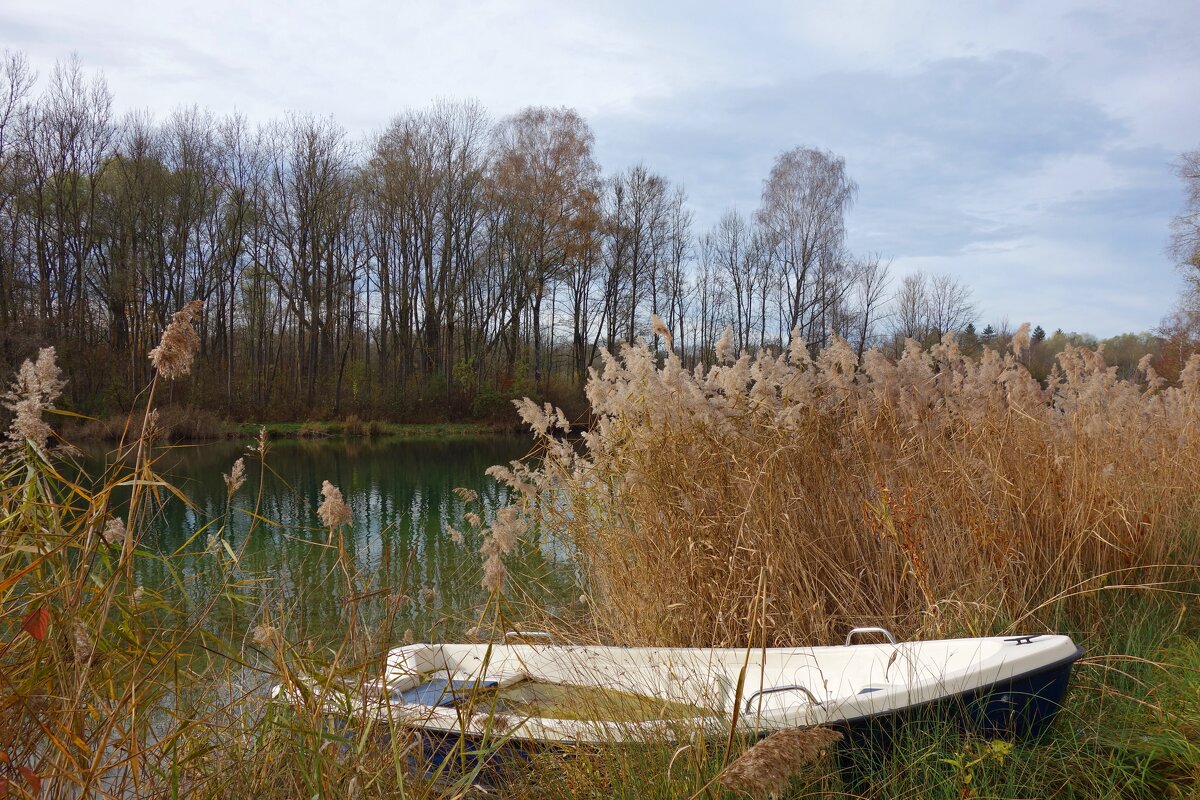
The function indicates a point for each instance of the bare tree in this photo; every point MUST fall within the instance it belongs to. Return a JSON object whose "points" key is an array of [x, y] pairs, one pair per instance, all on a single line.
{"points": [[712, 299], [950, 305], [925, 308], [546, 180], [1185, 228], [910, 308], [69, 138], [308, 211], [679, 249], [16, 81], [871, 280], [804, 202]]}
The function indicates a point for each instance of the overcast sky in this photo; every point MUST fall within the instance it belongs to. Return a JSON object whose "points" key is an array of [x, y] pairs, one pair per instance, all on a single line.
{"points": [[1026, 148]]}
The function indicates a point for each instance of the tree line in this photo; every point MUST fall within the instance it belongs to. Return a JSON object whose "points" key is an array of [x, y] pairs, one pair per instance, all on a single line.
{"points": [[435, 268]]}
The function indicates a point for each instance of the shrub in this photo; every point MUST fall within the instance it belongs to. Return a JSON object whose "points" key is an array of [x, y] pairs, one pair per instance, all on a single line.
{"points": [[169, 424], [312, 430]]}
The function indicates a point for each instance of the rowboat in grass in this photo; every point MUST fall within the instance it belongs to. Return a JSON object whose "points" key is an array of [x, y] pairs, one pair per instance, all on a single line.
{"points": [[539, 694]]}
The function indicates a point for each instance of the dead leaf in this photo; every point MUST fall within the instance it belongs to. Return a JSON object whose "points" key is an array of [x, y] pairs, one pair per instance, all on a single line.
{"points": [[31, 777], [37, 623]]}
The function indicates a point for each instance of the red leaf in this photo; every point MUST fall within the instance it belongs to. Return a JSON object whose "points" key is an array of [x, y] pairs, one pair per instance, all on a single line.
{"points": [[31, 777], [3, 786], [37, 623]]}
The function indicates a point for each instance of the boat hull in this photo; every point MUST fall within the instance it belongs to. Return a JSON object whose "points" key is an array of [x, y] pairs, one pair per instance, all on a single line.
{"points": [[461, 701], [1021, 707]]}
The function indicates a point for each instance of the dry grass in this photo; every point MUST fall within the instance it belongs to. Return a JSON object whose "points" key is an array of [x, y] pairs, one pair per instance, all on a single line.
{"points": [[171, 424], [778, 498], [113, 689], [934, 494]]}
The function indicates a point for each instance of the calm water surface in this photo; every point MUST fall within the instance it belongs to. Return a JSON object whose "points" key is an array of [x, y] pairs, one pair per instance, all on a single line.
{"points": [[402, 496]]}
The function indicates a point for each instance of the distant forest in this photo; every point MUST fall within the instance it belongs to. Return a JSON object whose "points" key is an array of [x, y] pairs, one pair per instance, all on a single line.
{"points": [[431, 271]]}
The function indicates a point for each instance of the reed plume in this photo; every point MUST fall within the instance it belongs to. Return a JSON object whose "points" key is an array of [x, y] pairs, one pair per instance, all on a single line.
{"points": [[660, 329], [179, 344], [500, 540], [333, 511], [235, 478], [930, 491], [33, 392]]}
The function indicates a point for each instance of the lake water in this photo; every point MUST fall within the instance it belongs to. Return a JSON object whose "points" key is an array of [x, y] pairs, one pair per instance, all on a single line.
{"points": [[406, 565]]}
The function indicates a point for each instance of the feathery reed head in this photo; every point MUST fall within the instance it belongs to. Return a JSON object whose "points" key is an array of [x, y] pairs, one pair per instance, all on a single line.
{"points": [[259, 448], [660, 329], [266, 636], [500, 540], [235, 478], [35, 389], [724, 346], [333, 511], [179, 344], [114, 532], [1021, 340]]}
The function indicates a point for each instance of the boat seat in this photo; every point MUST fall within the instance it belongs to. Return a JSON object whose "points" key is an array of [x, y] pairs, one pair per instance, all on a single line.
{"points": [[498, 678], [441, 692]]}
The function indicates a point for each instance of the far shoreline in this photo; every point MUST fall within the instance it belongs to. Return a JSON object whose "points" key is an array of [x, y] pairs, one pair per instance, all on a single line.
{"points": [[188, 431]]}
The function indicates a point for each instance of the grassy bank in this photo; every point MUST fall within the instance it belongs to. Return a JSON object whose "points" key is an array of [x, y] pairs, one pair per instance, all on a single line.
{"points": [[354, 427], [179, 424], [940, 496], [1130, 729], [773, 500]]}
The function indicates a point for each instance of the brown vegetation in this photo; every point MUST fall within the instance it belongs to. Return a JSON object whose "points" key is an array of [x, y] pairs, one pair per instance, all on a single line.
{"points": [[934, 494], [171, 423]]}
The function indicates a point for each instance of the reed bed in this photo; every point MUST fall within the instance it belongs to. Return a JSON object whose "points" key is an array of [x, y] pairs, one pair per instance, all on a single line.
{"points": [[782, 498], [773, 499], [932, 493], [114, 689]]}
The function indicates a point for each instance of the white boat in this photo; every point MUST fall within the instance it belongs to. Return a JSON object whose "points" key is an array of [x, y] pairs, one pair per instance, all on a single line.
{"points": [[545, 693]]}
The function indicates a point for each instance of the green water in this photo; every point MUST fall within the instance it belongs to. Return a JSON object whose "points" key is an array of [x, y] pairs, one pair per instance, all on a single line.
{"points": [[408, 572]]}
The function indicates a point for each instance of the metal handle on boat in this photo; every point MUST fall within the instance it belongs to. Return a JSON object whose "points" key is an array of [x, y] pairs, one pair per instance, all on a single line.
{"points": [[850, 636], [791, 688], [542, 635]]}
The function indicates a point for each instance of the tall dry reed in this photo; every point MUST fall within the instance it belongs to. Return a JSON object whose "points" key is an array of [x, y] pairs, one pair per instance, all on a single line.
{"points": [[114, 689], [933, 493]]}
